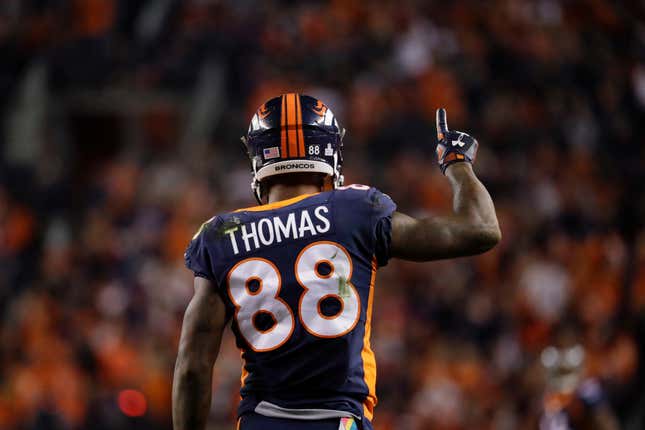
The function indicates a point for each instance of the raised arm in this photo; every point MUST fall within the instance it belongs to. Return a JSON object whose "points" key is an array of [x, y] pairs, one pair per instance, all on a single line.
{"points": [[201, 336], [471, 229]]}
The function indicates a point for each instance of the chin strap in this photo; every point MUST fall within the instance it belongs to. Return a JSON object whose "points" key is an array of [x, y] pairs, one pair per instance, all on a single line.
{"points": [[256, 186], [338, 179]]}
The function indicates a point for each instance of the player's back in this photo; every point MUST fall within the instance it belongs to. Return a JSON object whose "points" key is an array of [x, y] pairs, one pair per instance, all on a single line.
{"points": [[297, 278]]}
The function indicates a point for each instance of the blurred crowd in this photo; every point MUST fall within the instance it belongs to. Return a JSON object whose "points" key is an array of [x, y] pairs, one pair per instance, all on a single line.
{"points": [[119, 132]]}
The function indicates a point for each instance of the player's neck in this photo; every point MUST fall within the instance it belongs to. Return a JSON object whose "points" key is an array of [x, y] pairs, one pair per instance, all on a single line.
{"points": [[279, 192]]}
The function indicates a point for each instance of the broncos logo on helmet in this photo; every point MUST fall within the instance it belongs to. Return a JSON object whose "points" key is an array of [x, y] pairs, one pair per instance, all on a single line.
{"points": [[294, 133]]}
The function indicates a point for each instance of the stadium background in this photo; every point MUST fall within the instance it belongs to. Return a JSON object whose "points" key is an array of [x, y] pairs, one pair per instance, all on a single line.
{"points": [[119, 135]]}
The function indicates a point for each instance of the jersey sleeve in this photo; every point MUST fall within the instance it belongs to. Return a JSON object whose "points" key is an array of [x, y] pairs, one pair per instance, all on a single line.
{"points": [[198, 255], [382, 208]]}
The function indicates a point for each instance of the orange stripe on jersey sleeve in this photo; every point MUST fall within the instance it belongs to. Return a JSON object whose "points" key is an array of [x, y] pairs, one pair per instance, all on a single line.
{"points": [[300, 134], [367, 355], [283, 128], [245, 373], [291, 124]]}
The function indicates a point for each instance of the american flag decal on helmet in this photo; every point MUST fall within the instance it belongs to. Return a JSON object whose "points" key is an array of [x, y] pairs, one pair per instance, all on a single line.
{"points": [[269, 153]]}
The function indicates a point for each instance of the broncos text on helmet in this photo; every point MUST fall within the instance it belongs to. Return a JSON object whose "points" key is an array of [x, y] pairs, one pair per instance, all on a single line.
{"points": [[294, 133]]}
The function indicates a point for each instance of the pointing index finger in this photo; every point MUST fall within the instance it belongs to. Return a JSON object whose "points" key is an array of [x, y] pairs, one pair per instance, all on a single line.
{"points": [[442, 123]]}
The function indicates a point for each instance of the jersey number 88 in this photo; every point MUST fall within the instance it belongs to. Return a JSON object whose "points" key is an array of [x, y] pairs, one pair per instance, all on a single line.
{"points": [[317, 287]]}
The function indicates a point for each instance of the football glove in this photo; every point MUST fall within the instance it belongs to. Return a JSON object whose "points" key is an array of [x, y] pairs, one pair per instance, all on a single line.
{"points": [[453, 146]]}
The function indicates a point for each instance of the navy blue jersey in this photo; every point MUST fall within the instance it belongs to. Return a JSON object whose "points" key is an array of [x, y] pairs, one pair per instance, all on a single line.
{"points": [[297, 279]]}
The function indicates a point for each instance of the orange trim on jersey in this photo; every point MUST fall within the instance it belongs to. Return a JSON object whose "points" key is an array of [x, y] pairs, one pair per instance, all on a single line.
{"points": [[292, 135], [349, 283], [278, 204], [301, 136], [239, 421], [283, 128], [337, 314], [331, 269], [367, 355], [245, 373], [276, 297], [248, 290]]}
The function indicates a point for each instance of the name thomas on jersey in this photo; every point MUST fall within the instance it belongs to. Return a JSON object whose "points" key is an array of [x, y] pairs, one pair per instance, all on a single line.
{"points": [[270, 230]]}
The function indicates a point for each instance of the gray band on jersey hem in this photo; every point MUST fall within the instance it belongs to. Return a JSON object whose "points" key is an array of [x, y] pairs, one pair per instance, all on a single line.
{"points": [[274, 411]]}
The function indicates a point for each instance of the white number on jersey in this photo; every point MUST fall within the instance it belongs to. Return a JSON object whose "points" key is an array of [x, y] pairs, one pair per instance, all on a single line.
{"points": [[318, 286]]}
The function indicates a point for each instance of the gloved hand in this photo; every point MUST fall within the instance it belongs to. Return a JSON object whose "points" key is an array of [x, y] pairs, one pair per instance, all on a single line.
{"points": [[453, 146]]}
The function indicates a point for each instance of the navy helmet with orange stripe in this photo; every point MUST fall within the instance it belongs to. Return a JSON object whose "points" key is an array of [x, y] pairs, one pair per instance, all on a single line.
{"points": [[294, 133]]}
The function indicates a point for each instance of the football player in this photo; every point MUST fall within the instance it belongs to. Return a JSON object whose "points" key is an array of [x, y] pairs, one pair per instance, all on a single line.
{"points": [[295, 275]]}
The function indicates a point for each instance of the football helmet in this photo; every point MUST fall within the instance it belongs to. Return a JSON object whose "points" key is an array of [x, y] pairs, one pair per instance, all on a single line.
{"points": [[294, 133]]}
